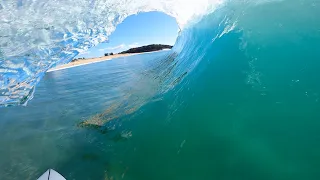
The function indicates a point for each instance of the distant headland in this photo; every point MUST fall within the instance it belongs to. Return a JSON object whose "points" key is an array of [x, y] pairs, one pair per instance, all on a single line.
{"points": [[111, 55], [148, 48]]}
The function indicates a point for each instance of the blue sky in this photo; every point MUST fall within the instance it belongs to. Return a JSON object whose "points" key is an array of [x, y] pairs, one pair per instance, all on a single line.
{"points": [[138, 30]]}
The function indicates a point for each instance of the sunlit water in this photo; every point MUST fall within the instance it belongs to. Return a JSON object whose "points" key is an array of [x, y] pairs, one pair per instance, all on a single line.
{"points": [[237, 98], [49, 132], [93, 122]]}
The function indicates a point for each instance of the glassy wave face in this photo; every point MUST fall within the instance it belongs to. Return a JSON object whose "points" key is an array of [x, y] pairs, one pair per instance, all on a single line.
{"points": [[38, 35], [236, 98]]}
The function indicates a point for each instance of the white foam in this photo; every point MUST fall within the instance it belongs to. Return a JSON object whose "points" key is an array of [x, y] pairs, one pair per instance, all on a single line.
{"points": [[36, 35]]}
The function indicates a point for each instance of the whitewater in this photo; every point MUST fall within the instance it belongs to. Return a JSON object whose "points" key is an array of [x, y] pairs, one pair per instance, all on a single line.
{"points": [[38, 35], [237, 97]]}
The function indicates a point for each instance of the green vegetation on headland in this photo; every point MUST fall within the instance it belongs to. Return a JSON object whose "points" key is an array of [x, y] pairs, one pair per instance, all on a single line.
{"points": [[142, 49], [108, 54], [148, 48]]}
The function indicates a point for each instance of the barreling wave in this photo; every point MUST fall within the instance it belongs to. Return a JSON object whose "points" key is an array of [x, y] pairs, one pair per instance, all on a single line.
{"points": [[38, 35]]}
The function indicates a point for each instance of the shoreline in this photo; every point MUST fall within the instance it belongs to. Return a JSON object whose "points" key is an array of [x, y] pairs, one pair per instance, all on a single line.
{"points": [[89, 61], [96, 60]]}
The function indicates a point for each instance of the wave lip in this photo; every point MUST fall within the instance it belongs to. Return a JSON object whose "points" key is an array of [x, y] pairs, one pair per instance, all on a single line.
{"points": [[38, 35]]}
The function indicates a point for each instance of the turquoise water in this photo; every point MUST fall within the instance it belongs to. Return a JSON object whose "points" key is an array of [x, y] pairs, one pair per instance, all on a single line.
{"points": [[236, 98], [49, 131]]}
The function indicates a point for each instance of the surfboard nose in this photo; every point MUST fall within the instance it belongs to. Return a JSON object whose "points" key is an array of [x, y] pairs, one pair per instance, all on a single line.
{"points": [[51, 174]]}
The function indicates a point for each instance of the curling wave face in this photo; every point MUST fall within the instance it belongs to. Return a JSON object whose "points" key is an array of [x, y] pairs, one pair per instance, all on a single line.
{"points": [[236, 98], [38, 35]]}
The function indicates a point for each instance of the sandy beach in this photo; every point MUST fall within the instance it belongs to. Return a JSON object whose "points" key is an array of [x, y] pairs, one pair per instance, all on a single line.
{"points": [[82, 62]]}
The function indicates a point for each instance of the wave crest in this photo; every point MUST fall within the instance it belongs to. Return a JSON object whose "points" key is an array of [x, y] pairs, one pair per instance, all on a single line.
{"points": [[37, 35]]}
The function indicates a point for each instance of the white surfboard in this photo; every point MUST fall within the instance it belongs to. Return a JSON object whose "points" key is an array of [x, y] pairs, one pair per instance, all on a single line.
{"points": [[51, 174]]}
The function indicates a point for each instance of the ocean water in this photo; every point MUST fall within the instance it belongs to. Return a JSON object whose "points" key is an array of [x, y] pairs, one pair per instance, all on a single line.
{"points": [[236, 98], [67, 125]]}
